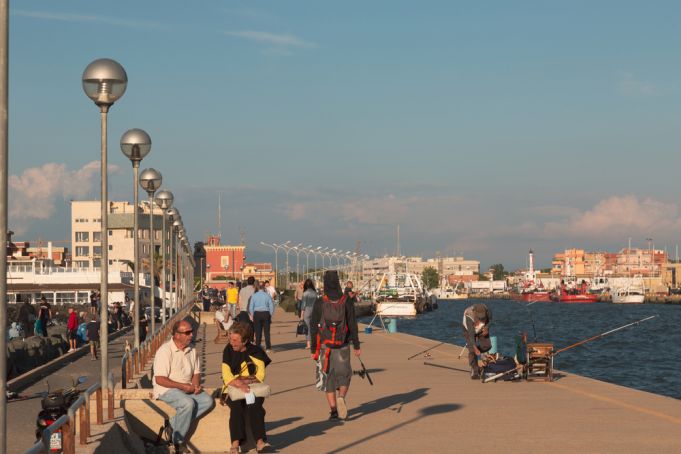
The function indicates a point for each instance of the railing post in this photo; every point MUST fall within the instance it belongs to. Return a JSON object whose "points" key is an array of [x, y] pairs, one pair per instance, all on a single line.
{"points": [[100, 410], [111, 397], [88, 432], [83, 424], [68, 442]]}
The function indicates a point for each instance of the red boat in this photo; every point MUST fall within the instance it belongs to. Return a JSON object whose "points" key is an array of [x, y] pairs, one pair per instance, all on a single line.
{"points": [[536, 297], [579, 298]]}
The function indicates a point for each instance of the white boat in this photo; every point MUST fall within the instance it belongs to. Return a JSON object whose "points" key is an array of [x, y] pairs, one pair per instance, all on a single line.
{"points": [[448, 293], [631, 293], [400, 295]]}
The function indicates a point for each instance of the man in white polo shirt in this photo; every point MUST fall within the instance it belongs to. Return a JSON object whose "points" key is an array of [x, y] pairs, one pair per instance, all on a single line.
{"points": [[177, 382]]}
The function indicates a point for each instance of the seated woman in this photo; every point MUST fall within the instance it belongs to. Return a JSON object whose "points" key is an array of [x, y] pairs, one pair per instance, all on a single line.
{"points": [[243, 364]]}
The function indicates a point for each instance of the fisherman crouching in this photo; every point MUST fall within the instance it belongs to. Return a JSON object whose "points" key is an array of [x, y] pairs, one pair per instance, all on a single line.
{"points": [[476, 321]]}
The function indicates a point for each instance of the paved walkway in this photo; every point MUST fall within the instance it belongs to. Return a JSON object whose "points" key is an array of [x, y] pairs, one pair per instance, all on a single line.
{"points": [[414, 407]]}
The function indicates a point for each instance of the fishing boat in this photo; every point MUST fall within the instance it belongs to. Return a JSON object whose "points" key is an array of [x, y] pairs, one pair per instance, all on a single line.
{"points": [[631, 293], [531, 289], [400, 295], [447, 292]]}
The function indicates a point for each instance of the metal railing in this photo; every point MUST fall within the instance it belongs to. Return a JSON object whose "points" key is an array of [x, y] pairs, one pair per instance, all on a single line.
{"points": [[67, 422], [82, 405], [135, 360]]}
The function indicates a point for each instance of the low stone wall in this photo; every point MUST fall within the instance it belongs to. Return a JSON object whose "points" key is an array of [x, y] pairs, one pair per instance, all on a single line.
{"points": [[24, 355]]}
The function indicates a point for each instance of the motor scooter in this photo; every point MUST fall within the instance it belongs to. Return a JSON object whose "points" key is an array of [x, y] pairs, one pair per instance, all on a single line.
{"points": [[54, 405]]}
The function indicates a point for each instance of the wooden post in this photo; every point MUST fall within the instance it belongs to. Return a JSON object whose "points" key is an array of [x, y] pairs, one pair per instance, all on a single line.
{"points": [[83, 424], [88, 407], [68, 442], [100, 404], [111, 404]]}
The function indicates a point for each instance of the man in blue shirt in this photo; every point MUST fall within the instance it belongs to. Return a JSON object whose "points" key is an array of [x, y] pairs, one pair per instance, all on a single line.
{"points": [[261, 309]]}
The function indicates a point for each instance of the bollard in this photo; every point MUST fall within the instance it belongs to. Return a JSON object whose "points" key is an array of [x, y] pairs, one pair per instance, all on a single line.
{"points": [[68, 444], [392, 325], [83, 424], [100, 410]]}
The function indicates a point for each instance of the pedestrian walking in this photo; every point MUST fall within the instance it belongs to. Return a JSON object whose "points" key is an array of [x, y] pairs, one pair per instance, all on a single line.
{"points": [[308, 300], [333, 328], [72, 328], [232, 299], [261, 310], [245, 294], [92, 329]]}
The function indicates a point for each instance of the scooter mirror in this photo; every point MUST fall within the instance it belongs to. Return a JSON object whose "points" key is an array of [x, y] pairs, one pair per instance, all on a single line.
{"points": [[82, 379]]}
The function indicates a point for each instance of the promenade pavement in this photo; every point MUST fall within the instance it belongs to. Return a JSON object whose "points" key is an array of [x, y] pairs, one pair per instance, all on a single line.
{"points": [[414, 407]]}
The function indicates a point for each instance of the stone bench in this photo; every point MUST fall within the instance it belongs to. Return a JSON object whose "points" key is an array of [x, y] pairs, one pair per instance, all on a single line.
{"points": [[144, 416]]}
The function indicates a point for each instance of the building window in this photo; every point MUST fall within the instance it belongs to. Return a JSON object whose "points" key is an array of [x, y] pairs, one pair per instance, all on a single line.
{"points": [[65, 297], [97, 250], [81, 263], [82, 236], [96, 263], [97, 237], [110, 247], [82, 251], [128, 233], [99, 220], [110, 232]]}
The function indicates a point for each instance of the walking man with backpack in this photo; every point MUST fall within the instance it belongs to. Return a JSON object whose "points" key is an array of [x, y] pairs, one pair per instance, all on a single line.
{"points": [[332, 327]]}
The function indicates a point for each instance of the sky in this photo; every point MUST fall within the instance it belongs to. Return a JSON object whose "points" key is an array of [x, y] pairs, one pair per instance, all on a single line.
{"points": [[483, 129]]}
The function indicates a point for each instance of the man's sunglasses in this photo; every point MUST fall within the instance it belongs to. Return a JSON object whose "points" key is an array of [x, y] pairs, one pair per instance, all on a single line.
{"points": [[185, 332]]}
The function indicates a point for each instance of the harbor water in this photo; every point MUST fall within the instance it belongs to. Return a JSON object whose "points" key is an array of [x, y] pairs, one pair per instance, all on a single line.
{"points": [[644, 356]]}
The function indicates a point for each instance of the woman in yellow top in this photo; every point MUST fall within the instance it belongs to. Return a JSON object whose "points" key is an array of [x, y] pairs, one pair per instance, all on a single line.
{"points": [[243, 364]]}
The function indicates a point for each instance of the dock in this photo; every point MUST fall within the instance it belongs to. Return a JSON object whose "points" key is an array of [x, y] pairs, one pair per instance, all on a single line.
{"points": [[430, 404]]}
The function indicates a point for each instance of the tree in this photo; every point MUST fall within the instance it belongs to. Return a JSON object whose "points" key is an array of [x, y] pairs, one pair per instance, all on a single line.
{"points": [[498, 272], [430, 277]]}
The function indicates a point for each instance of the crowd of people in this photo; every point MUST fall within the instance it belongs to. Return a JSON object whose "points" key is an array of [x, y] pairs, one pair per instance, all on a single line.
{"points": [[330, 316]]}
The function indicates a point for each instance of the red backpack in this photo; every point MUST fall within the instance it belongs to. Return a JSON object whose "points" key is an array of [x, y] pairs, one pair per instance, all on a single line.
{"points": [[333, 327]]}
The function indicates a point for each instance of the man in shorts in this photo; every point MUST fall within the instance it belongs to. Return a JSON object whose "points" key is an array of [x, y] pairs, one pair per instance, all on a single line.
{"points": [[72, 328], [333, 318], [92, 329]]}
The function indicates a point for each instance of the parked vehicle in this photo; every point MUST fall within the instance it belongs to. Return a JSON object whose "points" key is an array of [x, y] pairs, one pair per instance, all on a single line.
{"points": [[54, 405]]}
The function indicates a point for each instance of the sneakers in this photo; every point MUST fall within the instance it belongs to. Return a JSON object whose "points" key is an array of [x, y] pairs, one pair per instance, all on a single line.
{"points": [[342, 408], [181, 448], [333, 416], [269, 351], [475, 373], [71, 350]]}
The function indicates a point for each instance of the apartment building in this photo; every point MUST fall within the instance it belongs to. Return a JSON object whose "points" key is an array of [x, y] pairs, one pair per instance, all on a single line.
{"points": [[453, 268], [86, 234], [578, 262]]}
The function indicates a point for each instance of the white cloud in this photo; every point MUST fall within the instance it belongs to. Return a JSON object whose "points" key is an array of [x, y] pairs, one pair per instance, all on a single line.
{"points": [[68, 17], [618, 215], [33, 194], [628, 84], [278, 40]]}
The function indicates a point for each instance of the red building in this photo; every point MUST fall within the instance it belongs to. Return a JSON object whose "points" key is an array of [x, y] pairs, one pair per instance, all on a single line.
{"points": [[224, 263]]}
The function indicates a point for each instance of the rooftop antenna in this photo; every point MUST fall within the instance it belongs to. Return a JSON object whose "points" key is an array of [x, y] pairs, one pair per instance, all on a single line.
{"points": [[242, 236], [220, 215]]}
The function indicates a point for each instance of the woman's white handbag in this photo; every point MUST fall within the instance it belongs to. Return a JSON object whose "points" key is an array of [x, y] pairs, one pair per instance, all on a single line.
{"points": [[259, 389]]}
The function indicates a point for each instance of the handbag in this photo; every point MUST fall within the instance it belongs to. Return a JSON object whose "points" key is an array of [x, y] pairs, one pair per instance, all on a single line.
{"points": [[301, 329], [259, 389]]}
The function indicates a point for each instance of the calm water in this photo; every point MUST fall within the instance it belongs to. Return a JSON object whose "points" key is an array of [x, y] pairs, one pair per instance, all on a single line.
{"points": [[644, 356]]}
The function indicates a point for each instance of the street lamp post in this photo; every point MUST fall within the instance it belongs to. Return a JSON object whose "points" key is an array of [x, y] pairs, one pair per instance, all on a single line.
{"points": [[164, 199], [276, 248], [104, 82], [4, 189], [150, 180], [177, 226], [135, 145], [172, 216]]}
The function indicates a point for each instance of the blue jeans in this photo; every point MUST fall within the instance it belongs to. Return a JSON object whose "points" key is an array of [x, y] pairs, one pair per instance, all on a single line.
{"points": [[188, 407]]}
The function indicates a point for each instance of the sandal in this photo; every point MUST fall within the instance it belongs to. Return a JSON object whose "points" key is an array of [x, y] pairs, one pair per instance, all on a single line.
{"points": [[265, 447], [235, 450]]}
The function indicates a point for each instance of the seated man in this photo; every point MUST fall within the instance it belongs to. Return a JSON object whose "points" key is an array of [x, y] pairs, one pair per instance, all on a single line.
{"points": [[476, 320], [177, 382], [223, 316]]}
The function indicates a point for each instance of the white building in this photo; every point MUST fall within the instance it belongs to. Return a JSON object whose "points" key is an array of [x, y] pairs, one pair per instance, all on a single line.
{"points": [[86, 234], [445, 266]]}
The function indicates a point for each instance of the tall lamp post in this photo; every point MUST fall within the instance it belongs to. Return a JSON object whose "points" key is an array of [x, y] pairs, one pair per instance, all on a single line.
{"points": [[4, 96], [135, 145], [276, 248], [151, 180], [104, 82], [164, 199], [177, 226], [172, 216]]}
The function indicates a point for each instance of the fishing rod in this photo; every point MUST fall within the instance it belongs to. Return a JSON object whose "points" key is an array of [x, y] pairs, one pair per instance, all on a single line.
{"points": [[426, 350], [602, 335]]}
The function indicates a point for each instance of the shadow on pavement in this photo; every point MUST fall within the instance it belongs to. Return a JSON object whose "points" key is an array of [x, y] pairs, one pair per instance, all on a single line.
{"points": [[298, 434]]}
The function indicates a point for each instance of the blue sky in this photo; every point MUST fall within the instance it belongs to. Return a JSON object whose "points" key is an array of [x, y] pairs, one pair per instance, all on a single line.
{"points": [[481, 128]]}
